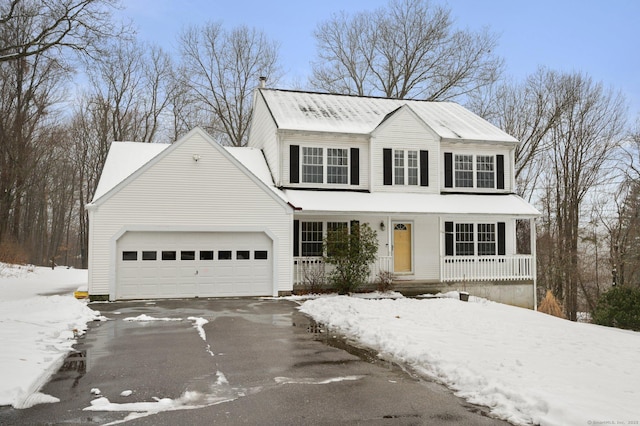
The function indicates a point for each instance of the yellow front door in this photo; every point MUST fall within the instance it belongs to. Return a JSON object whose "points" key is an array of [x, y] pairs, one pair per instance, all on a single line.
{"points": [[402, 247]]}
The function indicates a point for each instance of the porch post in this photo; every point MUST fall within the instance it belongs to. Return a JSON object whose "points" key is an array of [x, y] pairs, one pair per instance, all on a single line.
{"points": [[532, 227], [389, 236]]}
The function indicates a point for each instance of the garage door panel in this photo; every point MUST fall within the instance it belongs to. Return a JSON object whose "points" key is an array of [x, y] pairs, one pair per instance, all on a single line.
{"points": [[205, 265]]}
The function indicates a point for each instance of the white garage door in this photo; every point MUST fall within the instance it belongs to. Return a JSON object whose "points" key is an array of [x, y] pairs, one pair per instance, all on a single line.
{"points": [[193, 264]]}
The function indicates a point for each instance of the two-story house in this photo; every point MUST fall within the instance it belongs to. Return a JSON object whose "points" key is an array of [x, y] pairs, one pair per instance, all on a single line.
{"points": [[434, 180]]}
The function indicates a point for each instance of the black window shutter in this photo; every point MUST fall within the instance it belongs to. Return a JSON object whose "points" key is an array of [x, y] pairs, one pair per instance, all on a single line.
{"points": [[386, 165], [294, 164], [354, 224], [448, 238], [424, 168], [501, 240], [355, 166], [448, 170], [296, 238], [500, 171]]}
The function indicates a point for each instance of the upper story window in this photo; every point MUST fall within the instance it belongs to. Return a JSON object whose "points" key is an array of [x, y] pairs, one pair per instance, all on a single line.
{"points": [[485, 175], [473, 171], [312, 165], [412, 167], [464, 171], [338, 166], [405, 167]]}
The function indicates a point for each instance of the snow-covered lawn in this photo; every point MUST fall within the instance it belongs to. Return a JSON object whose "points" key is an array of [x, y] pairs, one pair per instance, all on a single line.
{"points": [[528, 367], [38, 316]]}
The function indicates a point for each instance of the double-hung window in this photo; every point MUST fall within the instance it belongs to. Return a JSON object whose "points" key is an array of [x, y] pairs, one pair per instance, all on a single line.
{"points": [[486, 239], [464, 171], [471, 239], [464, 239], [474, 171], [405, 167], [337, 165], [312, 165], [336, 236], [485, 176], [316, 165], [311, 238]]}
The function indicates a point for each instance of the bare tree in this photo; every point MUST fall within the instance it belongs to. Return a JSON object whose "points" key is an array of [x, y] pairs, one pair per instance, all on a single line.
{"points": [[130, 94], [527, 111], [29, 89], [407, 50], [72, 24], [581, 143], [221, 68], [624, 228]]}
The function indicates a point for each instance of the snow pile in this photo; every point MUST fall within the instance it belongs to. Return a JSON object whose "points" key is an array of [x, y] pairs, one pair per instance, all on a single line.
{"points": [[526, 366], [39, 321]]}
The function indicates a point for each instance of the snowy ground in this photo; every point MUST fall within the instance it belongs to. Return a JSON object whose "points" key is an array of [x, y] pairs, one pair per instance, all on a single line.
{"points": [[38, 316], [528, 367]]}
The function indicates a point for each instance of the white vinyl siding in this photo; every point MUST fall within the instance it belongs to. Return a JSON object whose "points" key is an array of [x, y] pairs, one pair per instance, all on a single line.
{"points": [[262, 135], [404, 132]]}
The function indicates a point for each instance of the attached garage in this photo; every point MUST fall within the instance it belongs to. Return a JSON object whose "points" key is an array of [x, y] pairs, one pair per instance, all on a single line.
{"points": [[193, 264], [188, 220]]}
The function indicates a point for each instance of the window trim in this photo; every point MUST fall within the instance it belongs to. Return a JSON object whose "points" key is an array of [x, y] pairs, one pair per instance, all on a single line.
{"points": [[305, 233], [299, 240], [474, 171], [397, 169], [452, 241], [351, 170]]}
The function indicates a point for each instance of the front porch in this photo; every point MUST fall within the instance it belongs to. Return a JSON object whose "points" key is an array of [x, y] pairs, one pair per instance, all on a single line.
{"points": [[460, 269]]}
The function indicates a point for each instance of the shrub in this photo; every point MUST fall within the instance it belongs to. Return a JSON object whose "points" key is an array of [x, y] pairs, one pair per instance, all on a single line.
{"points": [[313, 277], [550, 305], [384, 281], [619, 307], [11, 252], [351, 254]]}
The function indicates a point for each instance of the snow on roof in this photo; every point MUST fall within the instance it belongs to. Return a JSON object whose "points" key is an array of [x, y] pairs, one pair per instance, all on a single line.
{"points": [[123, 159], [252, 159], [361, 115], [391, 202]]}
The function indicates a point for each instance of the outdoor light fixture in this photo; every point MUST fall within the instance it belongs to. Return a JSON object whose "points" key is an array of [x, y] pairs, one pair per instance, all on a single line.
{"points": [[196, 157], [382, 226]]}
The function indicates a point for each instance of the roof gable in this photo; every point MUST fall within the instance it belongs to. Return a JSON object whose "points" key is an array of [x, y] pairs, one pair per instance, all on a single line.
{"points": [[123, 159], [397, 114], [304, 111], [145, 161]]}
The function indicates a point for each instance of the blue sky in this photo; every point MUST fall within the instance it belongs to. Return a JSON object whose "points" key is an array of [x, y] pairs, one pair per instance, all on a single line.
{"points": [[598, 37]]}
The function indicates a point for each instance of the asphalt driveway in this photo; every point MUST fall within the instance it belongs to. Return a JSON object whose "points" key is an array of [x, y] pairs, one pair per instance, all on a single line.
{"points": [[254, 362]]}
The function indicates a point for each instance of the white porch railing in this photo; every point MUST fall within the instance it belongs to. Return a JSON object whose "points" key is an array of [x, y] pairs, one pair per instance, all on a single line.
{"points": [[454, 268], [313, 267], [487, 268]]}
